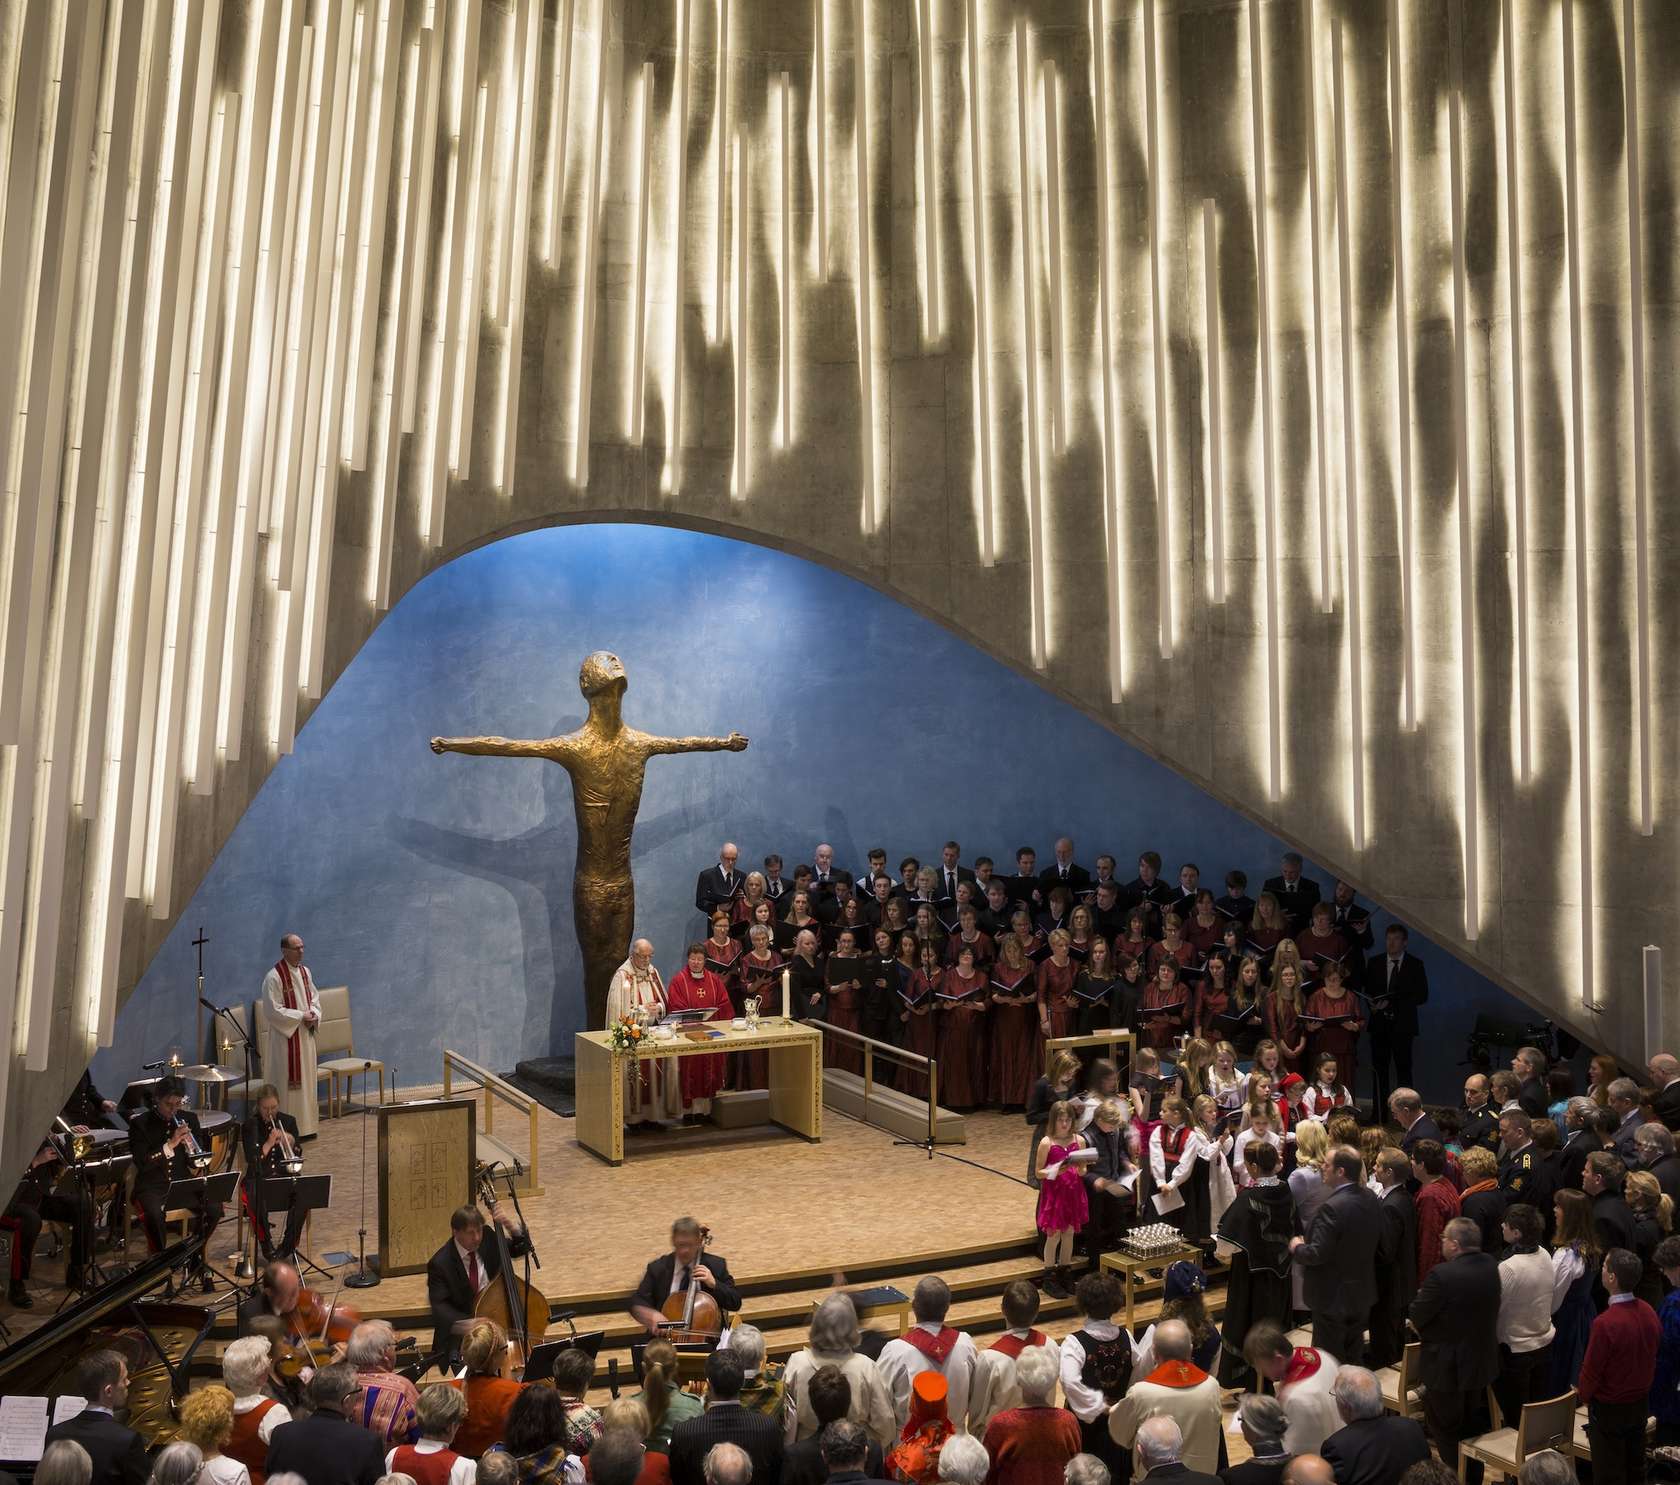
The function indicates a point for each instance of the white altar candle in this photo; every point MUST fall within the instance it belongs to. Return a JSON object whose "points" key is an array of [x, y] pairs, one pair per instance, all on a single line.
{"points": [[787, 992]]}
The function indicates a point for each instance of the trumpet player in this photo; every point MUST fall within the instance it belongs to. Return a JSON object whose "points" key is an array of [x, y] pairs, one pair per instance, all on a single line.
{"points": [[270, 1138], [168, 1145]]}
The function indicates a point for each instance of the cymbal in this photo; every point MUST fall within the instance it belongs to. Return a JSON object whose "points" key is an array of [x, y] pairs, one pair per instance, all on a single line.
{"points": [[208, 1072]]}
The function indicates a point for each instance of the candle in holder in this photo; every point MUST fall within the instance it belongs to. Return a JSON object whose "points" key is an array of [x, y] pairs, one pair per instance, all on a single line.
{"points": [[787, 992]]}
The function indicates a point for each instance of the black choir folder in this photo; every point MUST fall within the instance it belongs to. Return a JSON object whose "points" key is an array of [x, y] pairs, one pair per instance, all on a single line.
{"points": [[839, 971]]}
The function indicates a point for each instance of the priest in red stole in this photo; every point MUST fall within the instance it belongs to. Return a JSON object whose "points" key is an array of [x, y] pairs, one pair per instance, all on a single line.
{"points": [[289, 1015], [694, 987]]}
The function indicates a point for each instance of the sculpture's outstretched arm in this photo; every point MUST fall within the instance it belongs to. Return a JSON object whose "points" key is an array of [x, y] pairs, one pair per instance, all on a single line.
{"points": [[499, 747], [734, 743]]}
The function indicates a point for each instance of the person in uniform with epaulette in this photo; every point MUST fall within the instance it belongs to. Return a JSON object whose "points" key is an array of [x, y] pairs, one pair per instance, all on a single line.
{"points": [[1523, 1175], [1479, 1122]]}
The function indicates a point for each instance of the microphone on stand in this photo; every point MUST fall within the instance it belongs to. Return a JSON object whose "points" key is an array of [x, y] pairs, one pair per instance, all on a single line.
{"points": [[215, 1010]]}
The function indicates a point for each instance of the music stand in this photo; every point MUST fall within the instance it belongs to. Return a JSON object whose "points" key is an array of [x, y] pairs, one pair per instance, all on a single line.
{"points": [[218, 1190], [286, 1193], [539, 1365]]}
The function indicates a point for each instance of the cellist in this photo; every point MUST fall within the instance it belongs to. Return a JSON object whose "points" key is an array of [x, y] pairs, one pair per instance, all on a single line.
{"points": [[671, 1273], [461, 1269]]}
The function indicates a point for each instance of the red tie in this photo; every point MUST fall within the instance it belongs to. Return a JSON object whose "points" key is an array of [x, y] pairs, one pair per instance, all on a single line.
{"points": [[472, 1270]]}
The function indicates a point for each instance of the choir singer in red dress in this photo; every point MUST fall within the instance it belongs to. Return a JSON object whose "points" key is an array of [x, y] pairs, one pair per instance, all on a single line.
{"points": [[691, 988]]}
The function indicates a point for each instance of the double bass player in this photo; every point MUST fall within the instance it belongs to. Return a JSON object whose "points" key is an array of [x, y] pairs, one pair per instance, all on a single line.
{"points": [[464, 1266]]}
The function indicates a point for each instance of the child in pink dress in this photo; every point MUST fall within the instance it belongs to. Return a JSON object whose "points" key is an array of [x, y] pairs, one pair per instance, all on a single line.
{"points": [[1062, 1208]]}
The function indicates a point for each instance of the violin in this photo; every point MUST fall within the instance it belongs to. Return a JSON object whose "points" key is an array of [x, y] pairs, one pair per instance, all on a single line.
{"points": [[694, 1314], [314, 1331]]}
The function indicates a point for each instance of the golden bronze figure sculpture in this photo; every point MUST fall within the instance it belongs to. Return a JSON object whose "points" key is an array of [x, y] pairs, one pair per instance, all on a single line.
{"points": [[607, 761]]}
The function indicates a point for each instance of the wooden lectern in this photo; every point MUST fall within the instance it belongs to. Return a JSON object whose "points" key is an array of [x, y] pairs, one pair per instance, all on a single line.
{"points": [[427, 1150]]}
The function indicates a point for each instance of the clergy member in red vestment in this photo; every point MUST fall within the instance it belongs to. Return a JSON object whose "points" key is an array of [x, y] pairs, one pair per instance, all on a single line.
{"points": [[1057, 1008], [962, 1000], [694, 987], [1016, 1039]]}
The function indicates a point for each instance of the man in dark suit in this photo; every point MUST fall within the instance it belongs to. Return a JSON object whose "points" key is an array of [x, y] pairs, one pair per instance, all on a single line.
{"points": [[952, 872], [829, 1392], [1148, 891], [725, 1421], [719, 885], [1160, 1447], [326, 1448], [1582, 1139], [1295, 893], [1529, 1065], [1395, 986], [1623, 1094], [1340, 1257], [1665, 1078], [845, 1451], [670, 1274], [1024, 886], [1064, 871], [1456, 1315], [1415, 1125], [1370, 1448], [1656, 1154], [118, 1453], [461, 1269], [1396, 1260]]}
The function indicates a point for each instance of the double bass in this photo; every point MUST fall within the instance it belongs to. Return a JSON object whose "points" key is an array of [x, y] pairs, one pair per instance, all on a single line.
{"points": [[693, 1315], [520, 1309]]}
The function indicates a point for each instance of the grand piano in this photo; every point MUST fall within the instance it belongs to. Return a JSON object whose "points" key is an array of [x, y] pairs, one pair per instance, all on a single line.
{"points": [[158, 1340]]}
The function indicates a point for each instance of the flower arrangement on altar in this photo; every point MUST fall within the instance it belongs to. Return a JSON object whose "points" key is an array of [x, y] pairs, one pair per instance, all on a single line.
{"points": [[626, 1034]]}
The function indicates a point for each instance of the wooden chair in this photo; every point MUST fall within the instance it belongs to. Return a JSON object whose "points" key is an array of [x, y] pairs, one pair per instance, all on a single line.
{"points": [[1400, 1390], [1543, 1425], [333, 1035], [1581, 1446]]}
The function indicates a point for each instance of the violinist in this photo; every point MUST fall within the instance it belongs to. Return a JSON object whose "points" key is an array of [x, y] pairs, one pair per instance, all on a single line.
{"points": [[34, 1202], [168, 1145], [670, 1274], [462, 1268], [283, 1308], [270, 1138]]}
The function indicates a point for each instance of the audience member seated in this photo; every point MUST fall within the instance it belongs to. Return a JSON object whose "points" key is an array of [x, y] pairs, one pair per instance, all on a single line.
{"points": [[1179, 1390], [63, 1463], [1032, 1444], [1302, 1378], [255, 1414], [1263, 1423], [385, 1402], [433, 1460], [726, 1421], [628, 1420], [325, 1447], [536, 1438], [488, 1393], [1161, 1454], [830, 1396], [762, 1387], [833, 1342], [1371, 1447], [118, 1454], [207, 1421]]}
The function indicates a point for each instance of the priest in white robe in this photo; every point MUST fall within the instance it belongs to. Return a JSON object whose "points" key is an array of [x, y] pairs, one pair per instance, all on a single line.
{"points": [[291, 1014], [650, 1088]]}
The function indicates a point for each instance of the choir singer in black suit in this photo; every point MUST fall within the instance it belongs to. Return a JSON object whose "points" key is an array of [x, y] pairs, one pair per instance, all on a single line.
{"points": [[719, 885], [1340, 1257], [1395, 986], [670, 1273], [459, 1271]]}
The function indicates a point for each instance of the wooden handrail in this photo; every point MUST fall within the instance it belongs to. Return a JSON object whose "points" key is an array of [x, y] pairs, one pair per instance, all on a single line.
{"points": [[1110, 1039], [495, 1087]]}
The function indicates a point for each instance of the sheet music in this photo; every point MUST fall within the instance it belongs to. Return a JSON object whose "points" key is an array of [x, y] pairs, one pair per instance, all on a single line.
{"points": [[23, 1427], [68, 1406], [1167, 1199]]}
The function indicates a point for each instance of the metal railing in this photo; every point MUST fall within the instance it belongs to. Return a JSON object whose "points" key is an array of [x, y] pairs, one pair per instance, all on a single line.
{"points": [[494, 1088], [873, 1048], [1110, 1039]]}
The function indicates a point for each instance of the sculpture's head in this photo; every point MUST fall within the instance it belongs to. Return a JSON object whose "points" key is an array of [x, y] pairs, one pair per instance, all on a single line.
{"points": [[600, 672]]}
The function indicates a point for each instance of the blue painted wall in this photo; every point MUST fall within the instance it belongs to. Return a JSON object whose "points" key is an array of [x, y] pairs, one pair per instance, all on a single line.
{"points": [[439, 888]]}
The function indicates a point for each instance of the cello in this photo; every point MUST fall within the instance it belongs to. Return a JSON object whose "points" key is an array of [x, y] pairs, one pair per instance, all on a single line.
{"points": [[521, 1309], [693, 1315]]}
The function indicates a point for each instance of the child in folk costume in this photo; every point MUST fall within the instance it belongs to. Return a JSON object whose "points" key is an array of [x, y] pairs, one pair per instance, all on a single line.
{"points": [[694, 987], [1326, 1093], [1215, 1191], [1258, 1125], [1173, 1151], [1062, 1205]]}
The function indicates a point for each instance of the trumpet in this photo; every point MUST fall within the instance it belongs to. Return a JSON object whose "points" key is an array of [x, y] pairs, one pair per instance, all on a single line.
{"points": [[290, 1159], [197, 1156]]}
